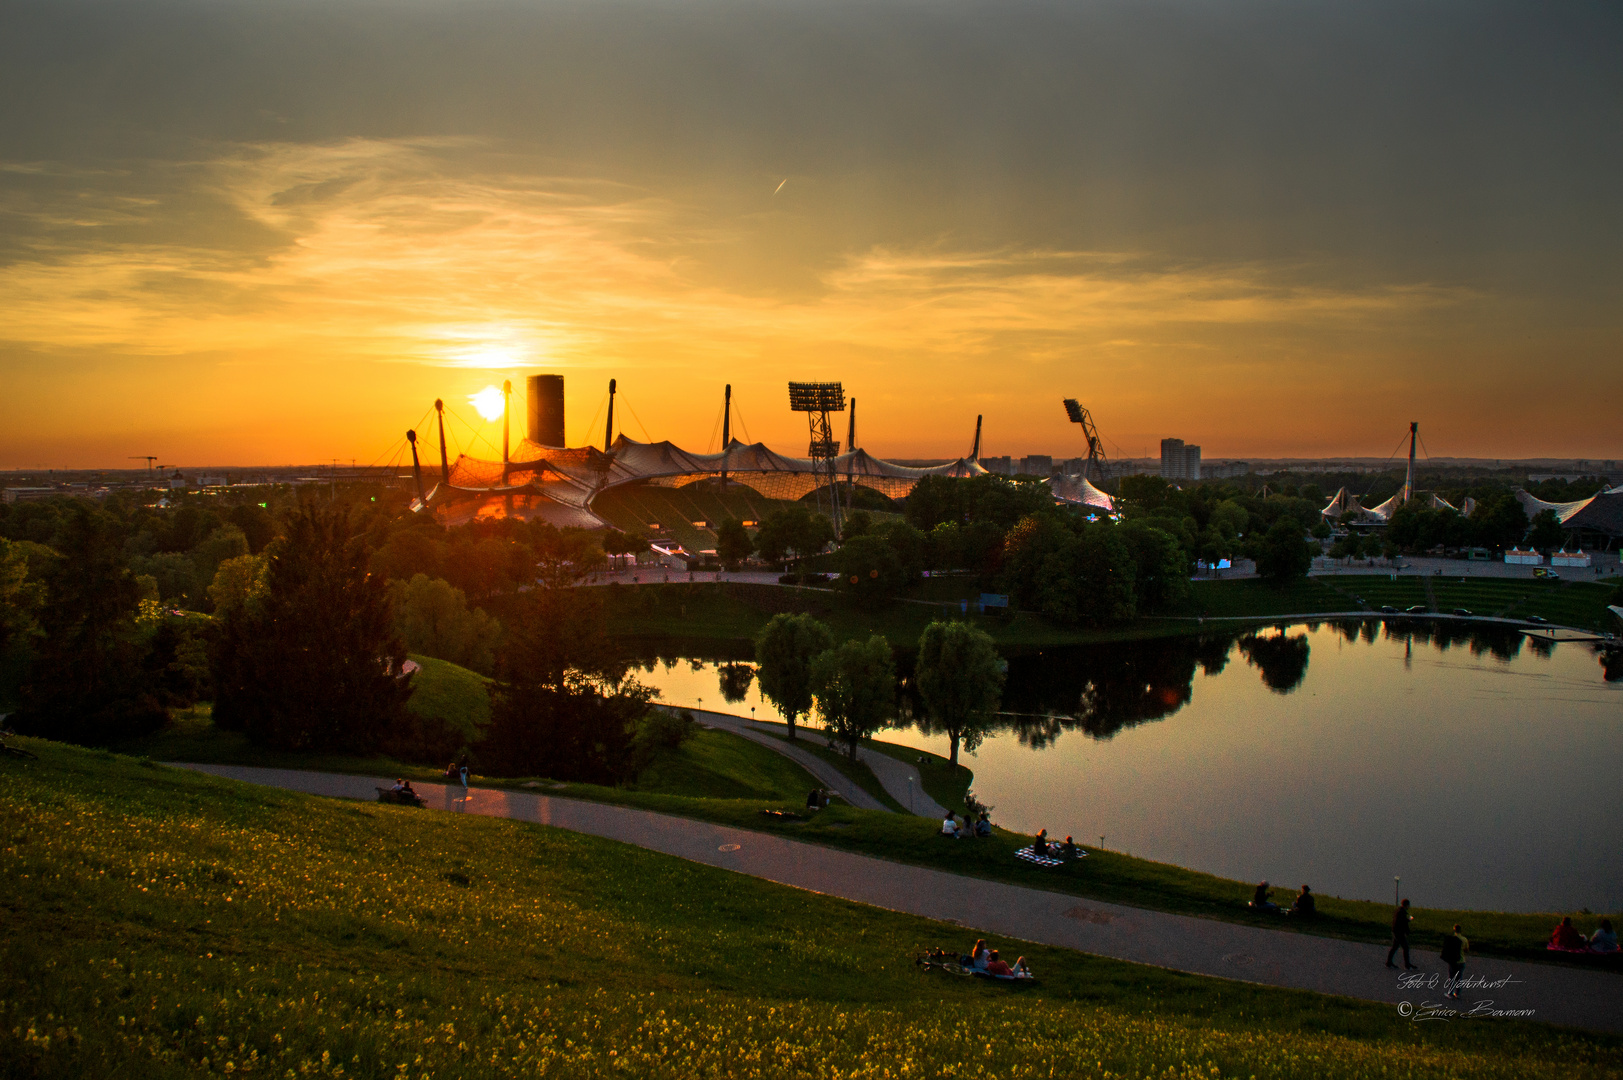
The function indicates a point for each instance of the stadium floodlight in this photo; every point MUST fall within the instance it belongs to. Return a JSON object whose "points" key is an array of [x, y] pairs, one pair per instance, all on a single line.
{"points": [[1097, 467], [817, 400], [816, 397]]}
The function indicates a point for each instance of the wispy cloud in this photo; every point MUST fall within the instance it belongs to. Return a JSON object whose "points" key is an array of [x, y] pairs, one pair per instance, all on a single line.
{"points": [[447, 252]]}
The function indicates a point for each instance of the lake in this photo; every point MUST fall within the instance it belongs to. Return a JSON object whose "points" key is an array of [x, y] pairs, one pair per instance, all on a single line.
{"points": [[1480, 766]]}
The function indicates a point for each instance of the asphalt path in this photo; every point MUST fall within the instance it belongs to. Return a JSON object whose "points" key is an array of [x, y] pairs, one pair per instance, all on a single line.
{"points": [[1550, 993], [900, 780]]}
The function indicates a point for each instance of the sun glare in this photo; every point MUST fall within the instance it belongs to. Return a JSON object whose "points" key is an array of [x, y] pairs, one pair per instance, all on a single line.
{"points": [[488, 402]]}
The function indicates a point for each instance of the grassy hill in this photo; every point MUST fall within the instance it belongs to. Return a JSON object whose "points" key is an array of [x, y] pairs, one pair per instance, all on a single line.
{"points": [[637, 508], [166, 924]]}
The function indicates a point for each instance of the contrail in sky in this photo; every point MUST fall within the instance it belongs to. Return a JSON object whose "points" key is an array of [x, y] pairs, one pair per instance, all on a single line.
{"points": [[779, 188]]}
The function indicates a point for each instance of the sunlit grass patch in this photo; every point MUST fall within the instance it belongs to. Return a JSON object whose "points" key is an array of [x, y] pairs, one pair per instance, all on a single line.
{"points": [[160, 923]]}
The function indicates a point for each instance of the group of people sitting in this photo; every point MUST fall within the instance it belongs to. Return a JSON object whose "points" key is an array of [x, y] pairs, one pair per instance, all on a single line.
{"points": [[1049, 850], [1566, 938], [403, 789], [981, 826], [1303, 907], [984, 959]]}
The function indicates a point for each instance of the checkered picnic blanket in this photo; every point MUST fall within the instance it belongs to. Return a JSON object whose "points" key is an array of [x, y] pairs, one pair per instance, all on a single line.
{"points": [[1031, 856]]}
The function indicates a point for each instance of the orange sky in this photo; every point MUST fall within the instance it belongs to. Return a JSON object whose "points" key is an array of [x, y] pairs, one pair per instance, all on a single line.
{"points": [[244, 257]]}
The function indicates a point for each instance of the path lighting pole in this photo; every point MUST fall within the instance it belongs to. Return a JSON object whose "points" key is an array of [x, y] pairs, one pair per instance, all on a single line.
{"points": [[910, 795], [1395, 890]]}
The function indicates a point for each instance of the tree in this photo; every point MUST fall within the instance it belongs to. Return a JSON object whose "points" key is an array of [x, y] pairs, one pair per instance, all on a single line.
{"points": [[869, 569], [855, 687], [733, 543], [1160, 567], [1284, 556], [960, 677], [557, 708], [86, 682], [1546, 533], [226, 542], [784, 651], [237, 582], [433, 618], [316, 664], [793, 529], [21, 597]]}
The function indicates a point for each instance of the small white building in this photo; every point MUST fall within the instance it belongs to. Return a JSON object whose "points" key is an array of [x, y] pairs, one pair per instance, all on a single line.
{"points": [[1570, 558], [1518, 557]]}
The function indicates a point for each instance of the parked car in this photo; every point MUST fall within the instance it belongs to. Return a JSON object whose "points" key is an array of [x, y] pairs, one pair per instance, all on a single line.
{"points": [[1388, 609], [1416, 609], [1463, 611], [1539, 619]]}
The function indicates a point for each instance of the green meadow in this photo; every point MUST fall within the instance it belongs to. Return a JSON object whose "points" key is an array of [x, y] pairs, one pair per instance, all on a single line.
{"points": [[160, 923]]}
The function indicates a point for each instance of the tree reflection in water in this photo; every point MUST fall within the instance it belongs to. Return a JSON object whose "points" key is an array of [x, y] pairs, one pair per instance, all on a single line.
{"points": [[1281, 658], [735, 681]]}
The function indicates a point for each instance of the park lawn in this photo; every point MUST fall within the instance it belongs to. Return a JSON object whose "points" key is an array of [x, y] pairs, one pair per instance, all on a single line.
{"points": [[737, 766], [721, 765], [165, 924], [1111, 876], [1255, 598]]}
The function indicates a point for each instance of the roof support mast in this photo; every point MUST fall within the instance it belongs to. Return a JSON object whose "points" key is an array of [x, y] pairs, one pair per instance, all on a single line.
{"points": [[445, 462], [851, 465], [416, 466], [608, 428], [1408, 479], [726, 429], [507, 402], [975, 450]]}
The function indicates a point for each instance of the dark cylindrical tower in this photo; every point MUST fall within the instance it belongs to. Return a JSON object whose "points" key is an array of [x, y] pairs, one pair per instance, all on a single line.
{"points": [[545, 394], [608, 427]]}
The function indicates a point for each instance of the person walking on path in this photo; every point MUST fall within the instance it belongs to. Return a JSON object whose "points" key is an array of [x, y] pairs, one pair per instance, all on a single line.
{"points": [[1453, 954], [1400, 934]]}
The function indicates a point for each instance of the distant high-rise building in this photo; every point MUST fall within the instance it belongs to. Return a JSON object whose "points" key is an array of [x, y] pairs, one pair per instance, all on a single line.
{"points": [[999, 465], [1037, 465], [1179, 462]]}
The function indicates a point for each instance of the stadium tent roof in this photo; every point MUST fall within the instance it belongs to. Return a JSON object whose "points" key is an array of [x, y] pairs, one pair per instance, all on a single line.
{"points": [[1602, 512], [1344, 503], [573, 477], [1079, 491]]}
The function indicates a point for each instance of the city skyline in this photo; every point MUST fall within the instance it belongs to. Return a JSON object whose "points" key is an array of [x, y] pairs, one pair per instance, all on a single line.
{"points": [[276, 233]]}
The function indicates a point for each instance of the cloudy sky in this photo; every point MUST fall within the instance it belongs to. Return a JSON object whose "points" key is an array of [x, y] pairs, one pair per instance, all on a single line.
{"points": [[263, 232]]}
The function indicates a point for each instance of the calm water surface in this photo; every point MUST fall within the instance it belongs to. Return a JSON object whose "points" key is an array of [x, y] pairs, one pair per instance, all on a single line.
{"points": [[1485, 771]]}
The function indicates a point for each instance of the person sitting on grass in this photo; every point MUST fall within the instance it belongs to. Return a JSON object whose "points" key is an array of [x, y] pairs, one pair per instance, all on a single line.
{"points": [[1304, 907], [452, 772], [1039, 846], [1022, 970], [1068, 850], [1260, 901], [949, 826], [979, 954], [997, 966], [1566, 937], [816, 799], [983, 825], [1604, 939], [399, 786]]}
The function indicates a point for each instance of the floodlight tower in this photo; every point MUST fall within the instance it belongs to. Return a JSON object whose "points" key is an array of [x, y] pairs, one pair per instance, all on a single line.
{"points": [[1097, 464], [817, 400]]}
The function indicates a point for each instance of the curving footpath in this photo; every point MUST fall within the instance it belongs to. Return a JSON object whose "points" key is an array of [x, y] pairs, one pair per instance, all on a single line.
{"points": [[1544, 992], [899, 779]]}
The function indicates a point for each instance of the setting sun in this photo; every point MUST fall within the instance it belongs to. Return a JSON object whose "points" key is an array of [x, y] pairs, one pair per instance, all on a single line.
{"points": [[488, 402]]}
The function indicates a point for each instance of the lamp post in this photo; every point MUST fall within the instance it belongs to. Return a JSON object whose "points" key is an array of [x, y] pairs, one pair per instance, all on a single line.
{"points": [[1396, 881]]}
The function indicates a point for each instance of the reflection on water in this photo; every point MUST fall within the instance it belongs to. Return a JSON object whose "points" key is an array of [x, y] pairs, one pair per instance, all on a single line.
{"points": [[1475, 762]]}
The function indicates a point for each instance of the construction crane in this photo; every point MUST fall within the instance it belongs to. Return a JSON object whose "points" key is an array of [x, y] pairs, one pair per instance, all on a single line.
{"points": [[148, 458], [1097, 464]]}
